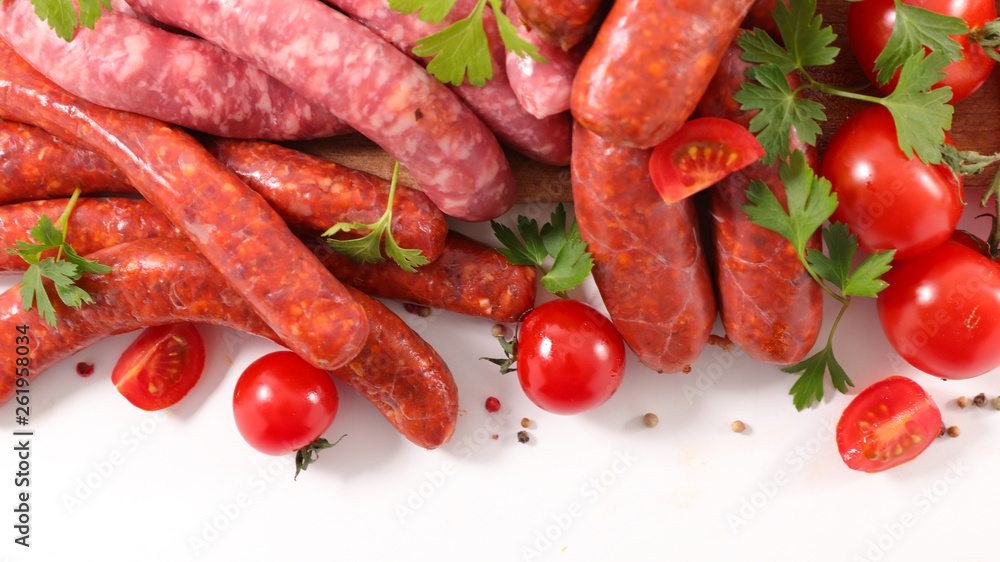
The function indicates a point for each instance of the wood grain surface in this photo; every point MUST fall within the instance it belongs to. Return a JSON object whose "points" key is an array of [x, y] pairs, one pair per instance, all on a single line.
{"points": [[974, 126]]}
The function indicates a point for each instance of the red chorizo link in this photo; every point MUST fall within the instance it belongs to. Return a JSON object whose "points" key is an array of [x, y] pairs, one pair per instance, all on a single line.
{"points": [[126, 64], [469, 278], [94, 223], [233, 226], [769, 304], [382, 93], [649, 264], [36, 165], [160, 281], [759, 17], [312, 194], [650, 62], [561, 22]]}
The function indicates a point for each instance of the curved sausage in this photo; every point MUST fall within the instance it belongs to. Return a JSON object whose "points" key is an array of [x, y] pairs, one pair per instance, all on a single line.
{"points": [[563, 23], [770, 306], [382, 93], [162, 281], [126, 64], [759, 16], [542, 88], [650, 62], [233, 226], [36, 165], [649, 264]]}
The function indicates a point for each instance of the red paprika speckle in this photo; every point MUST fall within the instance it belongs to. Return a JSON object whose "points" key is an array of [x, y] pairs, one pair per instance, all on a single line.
{"points": [[84, 369], [492, 405]]}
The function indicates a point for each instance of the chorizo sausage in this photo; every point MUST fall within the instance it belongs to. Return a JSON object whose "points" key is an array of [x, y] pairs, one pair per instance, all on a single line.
{"points": [[160, 281], [650, 62], [649, 264], [544, 139], [126, 64], [233, 226], [561, 22], [770, 306], [388, 97], [36, 165]]}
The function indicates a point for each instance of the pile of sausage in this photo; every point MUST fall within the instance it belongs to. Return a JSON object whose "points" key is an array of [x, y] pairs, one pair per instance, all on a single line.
{"points": [[225, 229]]}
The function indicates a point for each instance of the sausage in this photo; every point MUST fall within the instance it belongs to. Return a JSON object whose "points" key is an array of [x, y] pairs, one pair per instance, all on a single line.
{"points": [[563, 23], [233, 226], [650, 62], [770, 306], [95, 223], [546, 140], [469, 278], [126, 64], [160, 281], [759, 17], [541, 88], [649, 263], [37, 165], [382, 93], [312, 194]]}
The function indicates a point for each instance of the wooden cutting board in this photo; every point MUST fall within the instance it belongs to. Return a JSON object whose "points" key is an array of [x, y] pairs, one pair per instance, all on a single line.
{"points": [[975, 126]]}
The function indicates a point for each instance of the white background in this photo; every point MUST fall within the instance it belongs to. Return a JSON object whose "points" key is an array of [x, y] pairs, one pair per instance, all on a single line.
{"points": [[111, 482]]}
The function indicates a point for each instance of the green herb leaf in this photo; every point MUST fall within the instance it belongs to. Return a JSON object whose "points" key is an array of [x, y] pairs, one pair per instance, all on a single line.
{"points": [[62, 15], [914, 29], [921, 115], [508, 34], [809, 386], [432, 11], [780, 110], [807, 42], [368, 248], [841, 245], [458, 49]]}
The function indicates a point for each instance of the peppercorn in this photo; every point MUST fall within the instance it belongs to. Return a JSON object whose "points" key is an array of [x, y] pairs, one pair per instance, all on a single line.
{"points": [[996, 403], [84, 369], [522, 437], [492, 405], [417, 309], [963, 401], [525, 422], [498, 330], [738, 426], [650, 420], [979, 400], [953, 431]]}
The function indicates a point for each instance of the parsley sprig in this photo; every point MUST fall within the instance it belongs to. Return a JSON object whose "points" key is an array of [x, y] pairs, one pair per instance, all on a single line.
{"points": [[810, 204], [572, 262], [462, 48], [368, 248], [62, 14], [922, 115], [64, 269]]}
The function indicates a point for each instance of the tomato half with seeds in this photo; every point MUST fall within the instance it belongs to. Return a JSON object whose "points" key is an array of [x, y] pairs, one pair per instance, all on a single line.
{"points": [[699, 154], [160, 366], [886, 425]]}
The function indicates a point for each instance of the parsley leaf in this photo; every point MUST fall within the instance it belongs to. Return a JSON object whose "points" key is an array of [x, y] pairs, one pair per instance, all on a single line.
{"points": [[841, 245], [780, 110], [921, 114], [572, 262], [914, 29], [808, 43], [809, 387], [429, 10], [62, 16], [368, 248]]}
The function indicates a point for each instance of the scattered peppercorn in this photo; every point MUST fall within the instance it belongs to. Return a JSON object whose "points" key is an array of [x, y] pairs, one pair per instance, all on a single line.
{"points": [[417, 309], [495, 436], [963, 401], [996, 403], [979, 400], [84, 369], [492, 405], [522, 437], [687, 368], [525, 422], [953, 431], [738, 426], [650, 420], [498, 330]]}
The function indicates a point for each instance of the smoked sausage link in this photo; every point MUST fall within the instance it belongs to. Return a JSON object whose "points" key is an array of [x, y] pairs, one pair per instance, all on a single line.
{"points": [[162, 281], [386, 96], [234, 227], [649, 264], [650, 62], [561, 22]]}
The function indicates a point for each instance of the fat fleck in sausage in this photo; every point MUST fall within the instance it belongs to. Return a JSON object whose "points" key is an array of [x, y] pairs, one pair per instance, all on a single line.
{"points": [[378, 90], [650, 62], [162, 281], [561, 22], [769, 304], [126, 64], [36, 165], [546, 140], [649, 264], [233, 226]]}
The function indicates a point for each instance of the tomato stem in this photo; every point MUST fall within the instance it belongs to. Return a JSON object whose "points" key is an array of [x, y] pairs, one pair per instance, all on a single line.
{"points": [[987, 36]]}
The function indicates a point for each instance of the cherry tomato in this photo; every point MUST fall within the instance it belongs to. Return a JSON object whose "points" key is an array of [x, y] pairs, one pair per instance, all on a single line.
{"points": [[160, 366], [941, 311], [282, 403], [889, 201], [570, 357], [886, 425], [699, 154], [870, 23]]}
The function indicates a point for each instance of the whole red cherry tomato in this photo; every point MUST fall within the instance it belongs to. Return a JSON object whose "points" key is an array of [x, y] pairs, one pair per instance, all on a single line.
{"points": [[870, 23], [570, 357], [889, 201], [160, 366]]}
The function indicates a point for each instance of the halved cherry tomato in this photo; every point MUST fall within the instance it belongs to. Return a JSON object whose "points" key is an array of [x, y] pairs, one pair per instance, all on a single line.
{"points": [[699, 154], [160, 366], [886, 425]]}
